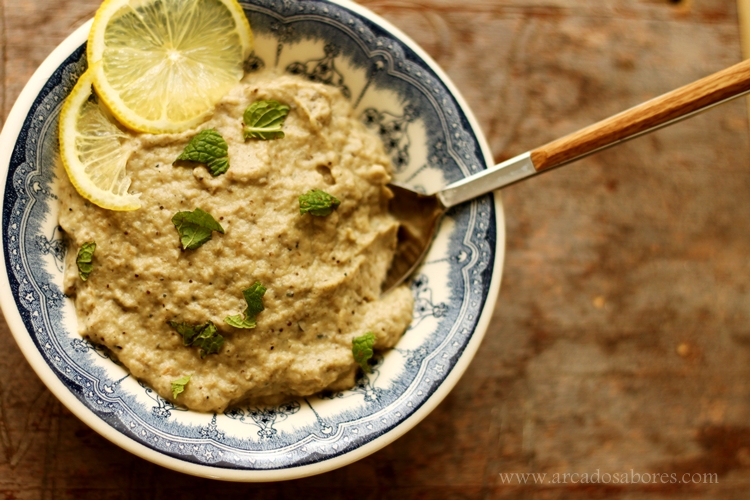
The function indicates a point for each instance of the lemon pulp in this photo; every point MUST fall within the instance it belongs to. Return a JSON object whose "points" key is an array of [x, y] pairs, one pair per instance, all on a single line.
{"points": [[162, 65], [94, 150]]}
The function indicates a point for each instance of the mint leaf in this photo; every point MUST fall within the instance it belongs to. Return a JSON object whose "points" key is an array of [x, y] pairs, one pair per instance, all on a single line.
{"points": [[362, 350], [209, 345], [238, 321], [195, 227], [208, 148], [254, 299], [204, 336], [85, 260], [318, 203], [178, 386], [264, 119]]}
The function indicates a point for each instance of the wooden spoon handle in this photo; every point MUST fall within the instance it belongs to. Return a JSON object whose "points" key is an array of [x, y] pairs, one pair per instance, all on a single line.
{"points": [[656, 113]]}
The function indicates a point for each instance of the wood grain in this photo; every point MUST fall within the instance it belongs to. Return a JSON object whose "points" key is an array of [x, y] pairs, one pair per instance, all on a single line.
{"points": [[743, 14], [620, 340], [665, 109]]}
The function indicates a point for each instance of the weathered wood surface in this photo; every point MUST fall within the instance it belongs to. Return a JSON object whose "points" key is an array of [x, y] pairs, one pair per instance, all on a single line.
{"points": [[675, 105], [621, 339]]}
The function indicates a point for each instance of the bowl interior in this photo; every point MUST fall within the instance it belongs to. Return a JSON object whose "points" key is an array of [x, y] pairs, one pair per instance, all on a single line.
{"points": [[402, 96]]}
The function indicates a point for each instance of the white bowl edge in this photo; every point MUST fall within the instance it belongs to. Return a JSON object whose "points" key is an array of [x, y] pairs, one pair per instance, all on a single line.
{"points": [[8, 139]]}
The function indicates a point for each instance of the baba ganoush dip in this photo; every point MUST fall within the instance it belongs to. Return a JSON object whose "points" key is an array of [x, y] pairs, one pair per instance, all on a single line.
{"points": [[322, 274]]}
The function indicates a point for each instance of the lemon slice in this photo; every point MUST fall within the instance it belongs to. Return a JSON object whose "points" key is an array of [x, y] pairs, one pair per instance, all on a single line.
{"points": [[94, 150], [162, 65]]}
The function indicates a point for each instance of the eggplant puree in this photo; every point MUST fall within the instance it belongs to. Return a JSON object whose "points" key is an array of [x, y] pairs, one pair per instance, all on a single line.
{"points": [[322, 274]]}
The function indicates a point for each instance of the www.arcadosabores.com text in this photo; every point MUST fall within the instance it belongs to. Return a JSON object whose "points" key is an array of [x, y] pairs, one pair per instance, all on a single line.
{"points": [[598, 477]]}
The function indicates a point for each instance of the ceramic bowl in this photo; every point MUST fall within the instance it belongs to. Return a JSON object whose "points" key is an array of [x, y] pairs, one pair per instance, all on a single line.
{"points": [[432, 138]]}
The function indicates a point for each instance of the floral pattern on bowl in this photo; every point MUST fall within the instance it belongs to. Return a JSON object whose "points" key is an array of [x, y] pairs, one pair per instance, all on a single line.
{"points": [[432, 140]]}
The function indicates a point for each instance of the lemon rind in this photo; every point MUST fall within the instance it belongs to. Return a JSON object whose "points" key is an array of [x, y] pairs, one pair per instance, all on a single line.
{"points": [[124, 113], [132, 120], [109, 7], [73, 166]]}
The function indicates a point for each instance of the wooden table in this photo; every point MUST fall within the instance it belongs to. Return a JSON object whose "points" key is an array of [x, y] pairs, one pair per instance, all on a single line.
{"points": [[621, 339]]}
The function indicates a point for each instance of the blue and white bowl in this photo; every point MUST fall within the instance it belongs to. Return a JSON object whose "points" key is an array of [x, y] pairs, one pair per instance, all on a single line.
{"points": [[432, 138]]}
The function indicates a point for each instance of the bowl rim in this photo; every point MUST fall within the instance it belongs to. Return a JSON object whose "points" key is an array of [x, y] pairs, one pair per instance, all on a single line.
{"points": [[8, 138]]}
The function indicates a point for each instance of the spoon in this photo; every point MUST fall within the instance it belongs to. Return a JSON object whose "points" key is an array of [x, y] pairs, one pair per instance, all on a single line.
{"points": [[420, 214]]}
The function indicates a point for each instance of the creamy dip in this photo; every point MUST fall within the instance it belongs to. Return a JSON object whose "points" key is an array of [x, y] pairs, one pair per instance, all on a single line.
{"points": [[322, 274]]}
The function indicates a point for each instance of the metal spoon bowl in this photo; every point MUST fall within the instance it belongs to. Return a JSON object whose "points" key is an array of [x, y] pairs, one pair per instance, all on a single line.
{"points": [[420, 214]]}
